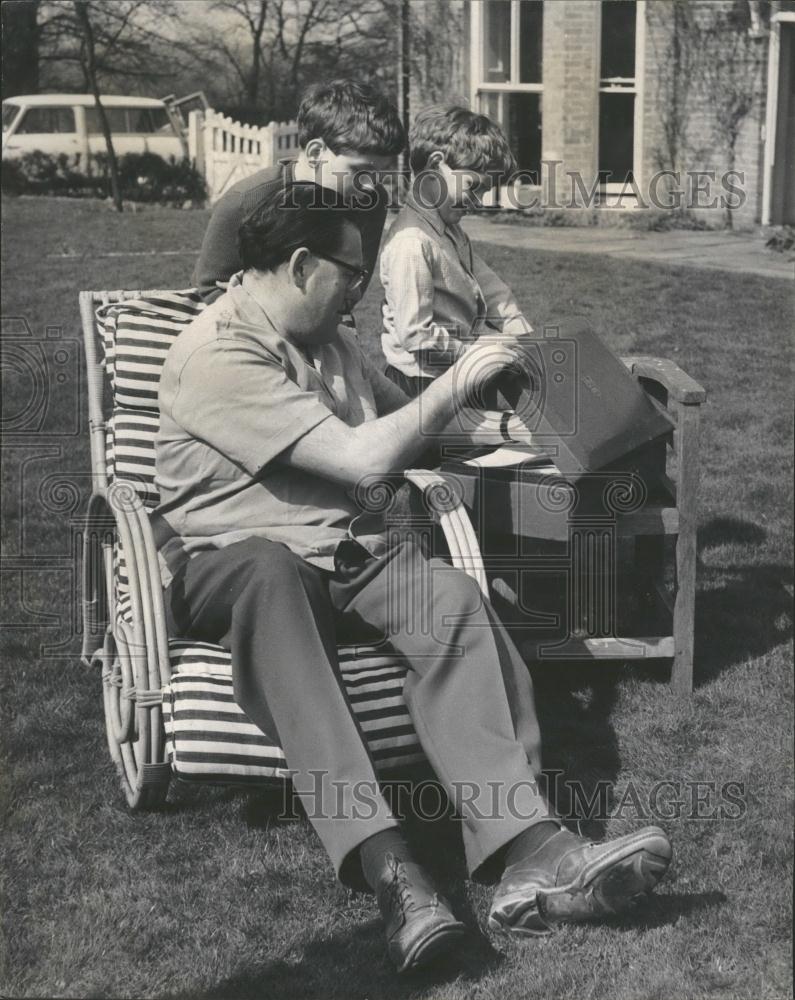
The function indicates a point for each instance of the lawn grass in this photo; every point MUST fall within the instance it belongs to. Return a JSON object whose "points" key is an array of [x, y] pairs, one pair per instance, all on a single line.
{"points": [[215, 897]]}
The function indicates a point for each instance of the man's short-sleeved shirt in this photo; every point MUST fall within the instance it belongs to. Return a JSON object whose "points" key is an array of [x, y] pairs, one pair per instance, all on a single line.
{"points": [[234, 393]]}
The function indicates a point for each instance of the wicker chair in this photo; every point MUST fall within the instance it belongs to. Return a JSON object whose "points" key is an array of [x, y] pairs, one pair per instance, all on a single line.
{"points": [[169, 706], [168, 701]]}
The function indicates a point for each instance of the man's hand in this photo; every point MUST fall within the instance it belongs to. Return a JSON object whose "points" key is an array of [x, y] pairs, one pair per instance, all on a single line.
{"points": [[480, 365]]}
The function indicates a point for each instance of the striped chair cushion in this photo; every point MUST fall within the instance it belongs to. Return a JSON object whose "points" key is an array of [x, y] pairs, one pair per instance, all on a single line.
{"points": [[130, 455], [130, 439], [209, 738], [136, 335]]}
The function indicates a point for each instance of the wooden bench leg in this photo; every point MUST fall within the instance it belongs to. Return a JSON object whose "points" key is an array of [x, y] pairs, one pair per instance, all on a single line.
{"points": [[687, 502]]}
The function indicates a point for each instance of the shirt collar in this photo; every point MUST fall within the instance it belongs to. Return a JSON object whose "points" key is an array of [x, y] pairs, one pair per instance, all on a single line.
{"points": [[251, 311], [454, 232], [430, 215], [247, 306]]}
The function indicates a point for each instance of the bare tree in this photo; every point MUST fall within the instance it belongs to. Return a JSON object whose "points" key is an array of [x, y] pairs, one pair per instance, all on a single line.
{"points": [[89, 59], [131, 44], [247, 63], [93, 44], [270, 49]]}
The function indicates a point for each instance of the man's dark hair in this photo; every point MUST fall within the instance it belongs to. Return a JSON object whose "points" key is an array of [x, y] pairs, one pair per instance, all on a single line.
{"points": [[350, 117], [299, 215]]}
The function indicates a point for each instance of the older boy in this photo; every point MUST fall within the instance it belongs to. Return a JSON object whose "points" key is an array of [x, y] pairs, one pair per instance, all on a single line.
{"points": [[439, 295], [348, 132]]}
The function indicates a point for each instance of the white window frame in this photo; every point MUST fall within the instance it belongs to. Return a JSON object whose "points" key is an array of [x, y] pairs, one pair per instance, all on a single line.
{"points": [[480, 87], [770, 126], [624, 85]]}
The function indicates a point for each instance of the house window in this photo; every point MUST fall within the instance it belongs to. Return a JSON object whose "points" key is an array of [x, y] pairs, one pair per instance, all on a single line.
{"points": [[617, 93], [508, 73]]}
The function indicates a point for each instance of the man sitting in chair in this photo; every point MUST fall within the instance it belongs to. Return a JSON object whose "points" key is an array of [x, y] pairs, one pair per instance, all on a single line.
{"points": [[270, 417]]}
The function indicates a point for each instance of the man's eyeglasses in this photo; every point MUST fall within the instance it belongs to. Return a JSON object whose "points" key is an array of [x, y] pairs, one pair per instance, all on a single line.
{"points": [[358, 274]]}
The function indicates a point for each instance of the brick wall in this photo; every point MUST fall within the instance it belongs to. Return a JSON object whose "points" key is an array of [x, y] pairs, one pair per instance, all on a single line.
{"points": [[570, 100], [570, 126], [702, 146]]}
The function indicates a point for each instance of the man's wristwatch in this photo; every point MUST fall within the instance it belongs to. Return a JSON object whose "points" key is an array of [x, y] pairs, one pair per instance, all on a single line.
{"points": [[505, 419]]}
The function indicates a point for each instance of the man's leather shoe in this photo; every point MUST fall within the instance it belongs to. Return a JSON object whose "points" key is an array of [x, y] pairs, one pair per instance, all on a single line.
{"points": [[419, 923], [569, 879]]}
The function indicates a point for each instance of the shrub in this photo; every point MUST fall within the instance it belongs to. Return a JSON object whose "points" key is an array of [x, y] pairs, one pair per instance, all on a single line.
{"points": [[143, 177], [41, 173]]}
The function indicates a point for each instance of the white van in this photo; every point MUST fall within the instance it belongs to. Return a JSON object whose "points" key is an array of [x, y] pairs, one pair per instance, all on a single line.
{"points": [[69, 123]]}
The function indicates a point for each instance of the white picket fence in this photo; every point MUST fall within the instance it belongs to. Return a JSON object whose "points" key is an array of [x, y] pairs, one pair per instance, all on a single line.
{"points": [[225, 151]]}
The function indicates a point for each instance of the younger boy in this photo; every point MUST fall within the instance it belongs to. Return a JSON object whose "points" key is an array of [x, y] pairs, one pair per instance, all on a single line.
{"points": [[348, 132], [439, 295]]}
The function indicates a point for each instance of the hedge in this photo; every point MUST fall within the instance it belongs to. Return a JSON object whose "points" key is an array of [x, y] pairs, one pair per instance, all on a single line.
{"points": [[143, 177]]}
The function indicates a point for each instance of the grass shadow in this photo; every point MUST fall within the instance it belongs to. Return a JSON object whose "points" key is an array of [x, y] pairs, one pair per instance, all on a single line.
{"points": [[575, 702], [350, 963], [661, 910], [743, 609]]}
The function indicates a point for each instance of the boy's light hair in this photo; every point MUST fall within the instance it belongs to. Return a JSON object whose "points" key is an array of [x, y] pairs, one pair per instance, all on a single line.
{"points": [[468, 140]]}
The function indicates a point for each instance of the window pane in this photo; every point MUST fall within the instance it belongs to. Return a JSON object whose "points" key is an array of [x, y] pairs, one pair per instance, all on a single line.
{"points": [[618, 38], [140, 120], [489, 105], [43, 121], [36, 120], [9, 114], [63, 120], [497, 41], [117, 120], [531, 35], [616, 136], [160, 120], [522, 125]]}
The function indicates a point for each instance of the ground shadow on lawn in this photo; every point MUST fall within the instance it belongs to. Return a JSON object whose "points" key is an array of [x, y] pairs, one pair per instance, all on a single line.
{"points": [[360, 957], [743, 610], [663, 909]]}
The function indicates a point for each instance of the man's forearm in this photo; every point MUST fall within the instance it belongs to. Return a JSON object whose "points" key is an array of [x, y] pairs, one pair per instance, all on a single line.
{"points": [[394, 441]]}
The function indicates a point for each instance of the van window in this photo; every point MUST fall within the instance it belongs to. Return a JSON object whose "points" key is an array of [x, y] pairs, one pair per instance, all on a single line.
{"points": [[43, 121], [116, 117], [9, 114], [149, 120], [130, 120]]}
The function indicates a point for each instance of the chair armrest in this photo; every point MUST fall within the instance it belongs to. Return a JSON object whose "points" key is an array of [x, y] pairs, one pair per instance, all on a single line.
{"points": [[677, 383], [447, 508]]}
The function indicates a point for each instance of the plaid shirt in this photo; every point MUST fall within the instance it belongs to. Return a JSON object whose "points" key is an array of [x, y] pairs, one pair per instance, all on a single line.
{"points": [[439, 295]]}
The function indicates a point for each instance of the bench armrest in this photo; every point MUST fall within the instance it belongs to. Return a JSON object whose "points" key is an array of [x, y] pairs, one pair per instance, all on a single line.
{"points": [[677, 383]]}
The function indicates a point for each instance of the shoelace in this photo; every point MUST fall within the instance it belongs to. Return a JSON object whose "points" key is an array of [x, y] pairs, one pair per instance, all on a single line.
{"points": [[399, 888]]}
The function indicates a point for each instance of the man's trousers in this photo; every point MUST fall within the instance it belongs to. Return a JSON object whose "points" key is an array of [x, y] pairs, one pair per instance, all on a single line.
{"points": [[468, 691]]}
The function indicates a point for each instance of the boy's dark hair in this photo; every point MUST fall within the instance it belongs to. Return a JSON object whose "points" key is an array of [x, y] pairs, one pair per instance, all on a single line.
{"points": [[299, 215], [350, 117], [468, 140]]}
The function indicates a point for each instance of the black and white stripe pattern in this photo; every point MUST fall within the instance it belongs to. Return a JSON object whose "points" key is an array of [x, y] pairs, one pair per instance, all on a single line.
{"points": [[209, 737], [133, 434], [136, 335]]}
